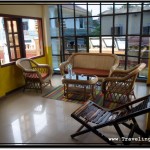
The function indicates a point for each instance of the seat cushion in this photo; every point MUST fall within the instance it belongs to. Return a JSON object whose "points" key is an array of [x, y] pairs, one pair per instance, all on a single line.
{"points": [[99, 73]]}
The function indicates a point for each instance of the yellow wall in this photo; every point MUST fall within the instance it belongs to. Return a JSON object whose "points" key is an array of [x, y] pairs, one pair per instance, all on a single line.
{"points": [[10, 76]]}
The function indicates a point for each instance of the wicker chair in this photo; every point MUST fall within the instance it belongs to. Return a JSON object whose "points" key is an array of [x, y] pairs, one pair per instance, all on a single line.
{"points": [[36, 76], [119, 87]]}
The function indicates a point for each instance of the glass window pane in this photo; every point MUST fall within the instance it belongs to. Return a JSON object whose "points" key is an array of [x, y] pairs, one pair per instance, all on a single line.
{"points": [[120, 8], [68, 27], [107, 44], [121, 62], [146, 6], [53, 11], [18, 52], [132, 62], [106, 25], [33, 37], [94, 44], [120, 24], [80, 9], [12, 53], [54, 27], [144, 72], [16, 39], [146, 23], [81, 44], [134, 23], [67, 11], [81, 26], [11, 40], [9, 26], [55, 46], [94, 26], [133, 45], [94, 9], [119, 43], [134, 7], [56, 63], [69, 45], [15, 26], [107, 8]]}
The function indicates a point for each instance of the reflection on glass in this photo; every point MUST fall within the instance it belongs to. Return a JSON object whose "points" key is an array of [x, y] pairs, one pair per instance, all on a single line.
{"points": [[134, 23], [9, 26], [106, 20], [16, 131], [67, 11], [40, 121], [15, 26]]}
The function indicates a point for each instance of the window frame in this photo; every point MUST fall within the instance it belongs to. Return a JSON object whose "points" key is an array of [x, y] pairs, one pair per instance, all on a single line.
{"points": [[22, 41]]}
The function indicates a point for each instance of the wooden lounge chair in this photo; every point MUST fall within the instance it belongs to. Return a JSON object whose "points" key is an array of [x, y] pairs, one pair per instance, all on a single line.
{"points": [[94, 118]]}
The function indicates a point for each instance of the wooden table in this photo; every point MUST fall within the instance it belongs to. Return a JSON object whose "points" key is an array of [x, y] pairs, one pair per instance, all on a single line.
{"points": [[80, 84]]}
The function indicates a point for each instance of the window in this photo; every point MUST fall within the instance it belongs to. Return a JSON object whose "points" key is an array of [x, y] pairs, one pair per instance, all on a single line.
{"points": [[19, 37], [120, 28]]}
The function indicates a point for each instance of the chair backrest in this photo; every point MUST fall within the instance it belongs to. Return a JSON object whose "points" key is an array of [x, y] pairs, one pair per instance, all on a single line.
{"points": [[118, 88], [24, 63], [93, 60]]}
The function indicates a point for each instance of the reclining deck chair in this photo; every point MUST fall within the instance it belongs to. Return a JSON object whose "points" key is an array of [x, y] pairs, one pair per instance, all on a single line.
{"points": [[36, 76], [94, 117]]}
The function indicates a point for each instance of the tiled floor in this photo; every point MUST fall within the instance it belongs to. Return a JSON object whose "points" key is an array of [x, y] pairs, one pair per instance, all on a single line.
{"points": [[29, 118]]}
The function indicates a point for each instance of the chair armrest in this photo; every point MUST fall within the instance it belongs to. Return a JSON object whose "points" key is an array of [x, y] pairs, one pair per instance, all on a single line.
{"points": [[119, 73], [62, 67], [114, 82]]}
